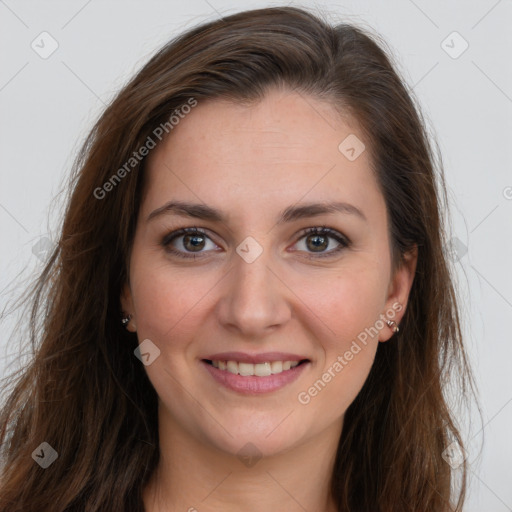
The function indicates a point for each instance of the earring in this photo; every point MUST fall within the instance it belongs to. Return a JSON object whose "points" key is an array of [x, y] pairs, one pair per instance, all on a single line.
{"points": [[125, 320], [393, 326]]}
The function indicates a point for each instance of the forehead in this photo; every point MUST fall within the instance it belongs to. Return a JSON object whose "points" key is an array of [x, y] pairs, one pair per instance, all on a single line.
{"points": [[283, 149]]}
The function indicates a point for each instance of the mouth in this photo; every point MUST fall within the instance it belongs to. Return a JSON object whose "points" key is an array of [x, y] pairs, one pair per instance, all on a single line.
{"points": [[263, 369], [254, 378]]}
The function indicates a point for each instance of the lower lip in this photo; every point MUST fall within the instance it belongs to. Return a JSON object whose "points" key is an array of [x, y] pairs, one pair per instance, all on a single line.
{"points": [[254, 384]]}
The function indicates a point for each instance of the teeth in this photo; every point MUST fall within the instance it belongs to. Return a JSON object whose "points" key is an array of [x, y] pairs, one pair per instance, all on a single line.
{"points": [[276, 367], [259, 369], [232, 367], [262, 369], [245, 368]]}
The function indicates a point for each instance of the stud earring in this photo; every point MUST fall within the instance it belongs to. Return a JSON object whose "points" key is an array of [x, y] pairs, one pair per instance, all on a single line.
{"points": [[125, 320], [393, 326]]}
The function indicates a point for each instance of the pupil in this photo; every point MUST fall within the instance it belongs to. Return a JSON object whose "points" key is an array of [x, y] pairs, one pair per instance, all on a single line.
{"points": [[317, 238], [194, 240]]}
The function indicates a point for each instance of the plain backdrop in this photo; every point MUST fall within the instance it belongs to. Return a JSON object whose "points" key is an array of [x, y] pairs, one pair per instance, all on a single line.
{"points": [[456, 57]]}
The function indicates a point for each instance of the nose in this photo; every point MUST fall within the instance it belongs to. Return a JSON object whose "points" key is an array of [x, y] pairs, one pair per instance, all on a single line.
{"points": [[255, 299]]}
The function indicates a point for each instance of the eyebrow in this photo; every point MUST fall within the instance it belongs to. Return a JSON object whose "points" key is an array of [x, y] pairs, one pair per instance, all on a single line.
{"points": [[290, 214]]}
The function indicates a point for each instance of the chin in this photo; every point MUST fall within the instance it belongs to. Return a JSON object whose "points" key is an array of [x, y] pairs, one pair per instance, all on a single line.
{"points": [[249, 441]]}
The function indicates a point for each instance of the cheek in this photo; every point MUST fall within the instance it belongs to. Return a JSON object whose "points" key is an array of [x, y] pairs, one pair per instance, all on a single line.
{"points": [[348, 315], [347, 306], [165, 299], [346, 303]]}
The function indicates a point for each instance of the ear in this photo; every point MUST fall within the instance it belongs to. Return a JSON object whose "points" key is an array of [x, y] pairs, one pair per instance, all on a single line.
{"points": [[399, 289], [127, 307]]}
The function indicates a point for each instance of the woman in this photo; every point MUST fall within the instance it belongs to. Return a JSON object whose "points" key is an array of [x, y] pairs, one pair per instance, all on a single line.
{"points": [[250, 306]]}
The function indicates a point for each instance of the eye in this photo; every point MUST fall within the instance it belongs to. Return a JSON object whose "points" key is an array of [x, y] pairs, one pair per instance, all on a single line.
{"points": [[193, 240], [318, 239], [190, 242]]}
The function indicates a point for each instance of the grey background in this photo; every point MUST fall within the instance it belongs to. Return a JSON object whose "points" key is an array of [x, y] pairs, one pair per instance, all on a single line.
{"points": [[48, 105]]}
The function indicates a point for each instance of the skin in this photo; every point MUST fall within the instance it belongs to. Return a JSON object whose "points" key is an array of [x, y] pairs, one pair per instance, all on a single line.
{"points": [[251, 163]]}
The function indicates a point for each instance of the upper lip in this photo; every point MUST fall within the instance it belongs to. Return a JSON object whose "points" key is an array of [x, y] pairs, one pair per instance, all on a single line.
{"points": [[264, 357]]}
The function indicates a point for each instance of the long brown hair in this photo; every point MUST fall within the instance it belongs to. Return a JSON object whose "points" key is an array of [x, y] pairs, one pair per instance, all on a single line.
{"points": [[87, 396]]}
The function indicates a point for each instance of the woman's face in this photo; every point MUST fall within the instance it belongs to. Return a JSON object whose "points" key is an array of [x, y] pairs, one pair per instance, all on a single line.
{"points": [[254, 286]]}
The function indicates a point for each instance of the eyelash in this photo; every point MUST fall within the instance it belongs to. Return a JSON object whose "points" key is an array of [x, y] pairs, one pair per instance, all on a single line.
{"points": [[323, 231]]}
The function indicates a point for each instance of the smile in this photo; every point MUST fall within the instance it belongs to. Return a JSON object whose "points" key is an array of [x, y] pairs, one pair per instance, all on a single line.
{"points": [[254, 378], [260, 369]]}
